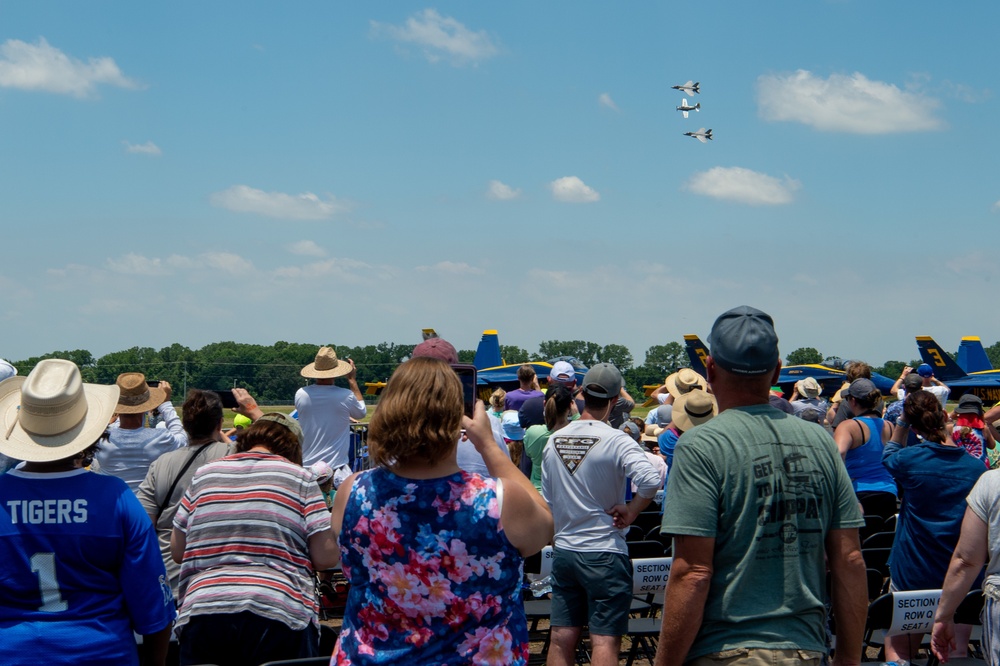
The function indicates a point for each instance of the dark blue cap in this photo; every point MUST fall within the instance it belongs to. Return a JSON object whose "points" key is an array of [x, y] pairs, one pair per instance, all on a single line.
{"points": [[743, 341]]}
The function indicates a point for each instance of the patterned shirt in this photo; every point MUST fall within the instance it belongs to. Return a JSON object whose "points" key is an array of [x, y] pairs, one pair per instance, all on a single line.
{"points": [[434, 580], [247, 520]]}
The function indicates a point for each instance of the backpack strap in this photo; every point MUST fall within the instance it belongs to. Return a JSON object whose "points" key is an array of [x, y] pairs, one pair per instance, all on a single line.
{"points": [[177, 479]]}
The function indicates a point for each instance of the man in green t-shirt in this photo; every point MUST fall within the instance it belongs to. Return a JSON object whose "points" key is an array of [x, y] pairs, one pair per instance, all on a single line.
{"points": [[758, 502]]}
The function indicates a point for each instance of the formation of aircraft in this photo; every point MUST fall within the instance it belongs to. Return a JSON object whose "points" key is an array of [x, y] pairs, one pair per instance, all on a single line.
{"points": [[830, 378], [684, 108], [689, 88], [971, 372], [702, 135], [692, 88]]}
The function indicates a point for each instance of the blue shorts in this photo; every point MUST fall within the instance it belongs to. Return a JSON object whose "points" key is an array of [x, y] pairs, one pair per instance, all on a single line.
{"points": [[591, 589]]}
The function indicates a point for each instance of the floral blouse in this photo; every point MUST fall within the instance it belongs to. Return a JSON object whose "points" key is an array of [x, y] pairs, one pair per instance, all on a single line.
{"points": [[433, 578]]}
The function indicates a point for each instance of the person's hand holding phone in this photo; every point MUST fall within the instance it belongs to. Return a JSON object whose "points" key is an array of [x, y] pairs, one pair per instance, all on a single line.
{"points": [[246, 405], [478, 428]]}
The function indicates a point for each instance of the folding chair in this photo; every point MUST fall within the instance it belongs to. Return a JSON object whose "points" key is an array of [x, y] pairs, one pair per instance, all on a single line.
{"points": [[876, 584], [641, 550], [879, 540], [647, 520], [643, 634], [873, 525], [890, 523], [877, 558]]}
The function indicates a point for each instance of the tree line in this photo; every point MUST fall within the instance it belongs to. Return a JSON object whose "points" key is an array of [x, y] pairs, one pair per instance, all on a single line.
{"points": [[271, 372]]}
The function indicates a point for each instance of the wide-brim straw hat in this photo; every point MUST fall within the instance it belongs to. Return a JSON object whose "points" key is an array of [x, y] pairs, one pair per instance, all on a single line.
{"points": [[694, 408], [137, 397], [326, 365], [51, 414], [684, 380]]}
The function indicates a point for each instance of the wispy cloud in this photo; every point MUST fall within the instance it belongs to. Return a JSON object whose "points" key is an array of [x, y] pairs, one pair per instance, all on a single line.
{"points": [[227, 262], [996, 207], [148, 148], [306, 248], [605, 100], [137, 264], [305, 206], [347, 270], [501, 191], [743, 186], [440, 37], [43, 67], [842, 103], [571, 189], [451, 268]]}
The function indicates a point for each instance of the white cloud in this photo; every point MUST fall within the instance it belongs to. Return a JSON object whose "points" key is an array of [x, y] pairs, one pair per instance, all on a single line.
{"points": [[137, 264], [348, 270], [306, 248], [842, 103], [305, 206], [148, 148], [605, 100], [451, 268], [441, 37], [501, 191], [571, 189], [743, 186], [227, 262], [996, 206], [43, 67]]}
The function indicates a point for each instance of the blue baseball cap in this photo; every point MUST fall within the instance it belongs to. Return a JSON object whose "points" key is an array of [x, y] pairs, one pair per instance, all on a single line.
{"points": [[924, 370], [743, 341]]}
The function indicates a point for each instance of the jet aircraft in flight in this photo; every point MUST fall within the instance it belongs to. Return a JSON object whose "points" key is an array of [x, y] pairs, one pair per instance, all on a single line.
{"points": [[689, 88], [702, 135]]}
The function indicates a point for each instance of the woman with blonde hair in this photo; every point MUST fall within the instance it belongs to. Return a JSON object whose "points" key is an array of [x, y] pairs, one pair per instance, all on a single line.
{"points": [[433, 553]]}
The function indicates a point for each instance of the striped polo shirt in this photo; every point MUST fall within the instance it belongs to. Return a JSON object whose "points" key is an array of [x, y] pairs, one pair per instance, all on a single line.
{"points": [[247, 520]]}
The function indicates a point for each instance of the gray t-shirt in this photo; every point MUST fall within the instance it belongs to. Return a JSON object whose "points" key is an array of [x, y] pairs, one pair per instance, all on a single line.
{"points": [[584, 470], [984, 500], [152, 492], [767, 487]]}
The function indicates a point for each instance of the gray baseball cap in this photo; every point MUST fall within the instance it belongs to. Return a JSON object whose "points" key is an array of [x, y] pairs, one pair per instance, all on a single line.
{"points": [[743, 341], [603, 381], [913, 382]]}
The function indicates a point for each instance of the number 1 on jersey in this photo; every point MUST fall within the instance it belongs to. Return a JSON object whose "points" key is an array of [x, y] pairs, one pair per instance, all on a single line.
{"points": [[44, 564]]}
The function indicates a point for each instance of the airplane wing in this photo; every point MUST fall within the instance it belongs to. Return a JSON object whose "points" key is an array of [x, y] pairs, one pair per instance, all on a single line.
{"points": [[971, 355], [701, 138], [689, 84], [685, 113]]}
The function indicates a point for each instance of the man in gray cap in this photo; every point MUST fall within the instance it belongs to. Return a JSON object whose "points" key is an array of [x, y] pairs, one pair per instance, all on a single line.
{"points": [[585, 469], [757, 502]]}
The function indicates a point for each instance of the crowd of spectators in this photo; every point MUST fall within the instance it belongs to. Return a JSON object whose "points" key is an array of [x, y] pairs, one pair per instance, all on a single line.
{"points": [[207, 544]]}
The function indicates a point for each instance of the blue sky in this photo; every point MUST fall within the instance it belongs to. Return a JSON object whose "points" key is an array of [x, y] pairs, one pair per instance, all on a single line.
{"points": [[350, 173]]}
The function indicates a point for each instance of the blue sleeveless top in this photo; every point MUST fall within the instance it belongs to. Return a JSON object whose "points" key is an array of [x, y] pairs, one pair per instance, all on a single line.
{"points": [[864, 464], [434, 580]]}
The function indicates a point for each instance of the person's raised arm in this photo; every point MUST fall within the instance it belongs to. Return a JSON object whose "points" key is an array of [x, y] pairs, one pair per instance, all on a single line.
{"points": [[684, 600], [352, 381], [247, 405], [849, 593], [526, 517], [894, 391], [966, 563]]}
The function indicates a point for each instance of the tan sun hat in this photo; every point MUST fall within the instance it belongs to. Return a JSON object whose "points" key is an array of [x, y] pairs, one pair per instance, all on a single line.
{"points": [[808, 387], [694, 408], [136, 396], [683, 381], [326, 365], [51, 414]]}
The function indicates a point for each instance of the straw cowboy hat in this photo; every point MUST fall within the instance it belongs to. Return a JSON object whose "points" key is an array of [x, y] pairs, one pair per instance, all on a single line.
{"points": [[683, 381], [136, 396], [694, 408], [326, 365], [51, 414]]}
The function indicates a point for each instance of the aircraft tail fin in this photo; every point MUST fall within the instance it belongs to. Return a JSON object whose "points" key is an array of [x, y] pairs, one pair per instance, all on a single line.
{"points": [[708, 135], [944, 366], [488, 351], [971, 355], [697, 352], [697, 107]]}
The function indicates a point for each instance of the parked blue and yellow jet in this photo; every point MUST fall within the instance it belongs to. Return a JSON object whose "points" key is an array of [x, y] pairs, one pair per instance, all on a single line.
{"points": [[831, 378], [971, 373], [493, 373]]}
